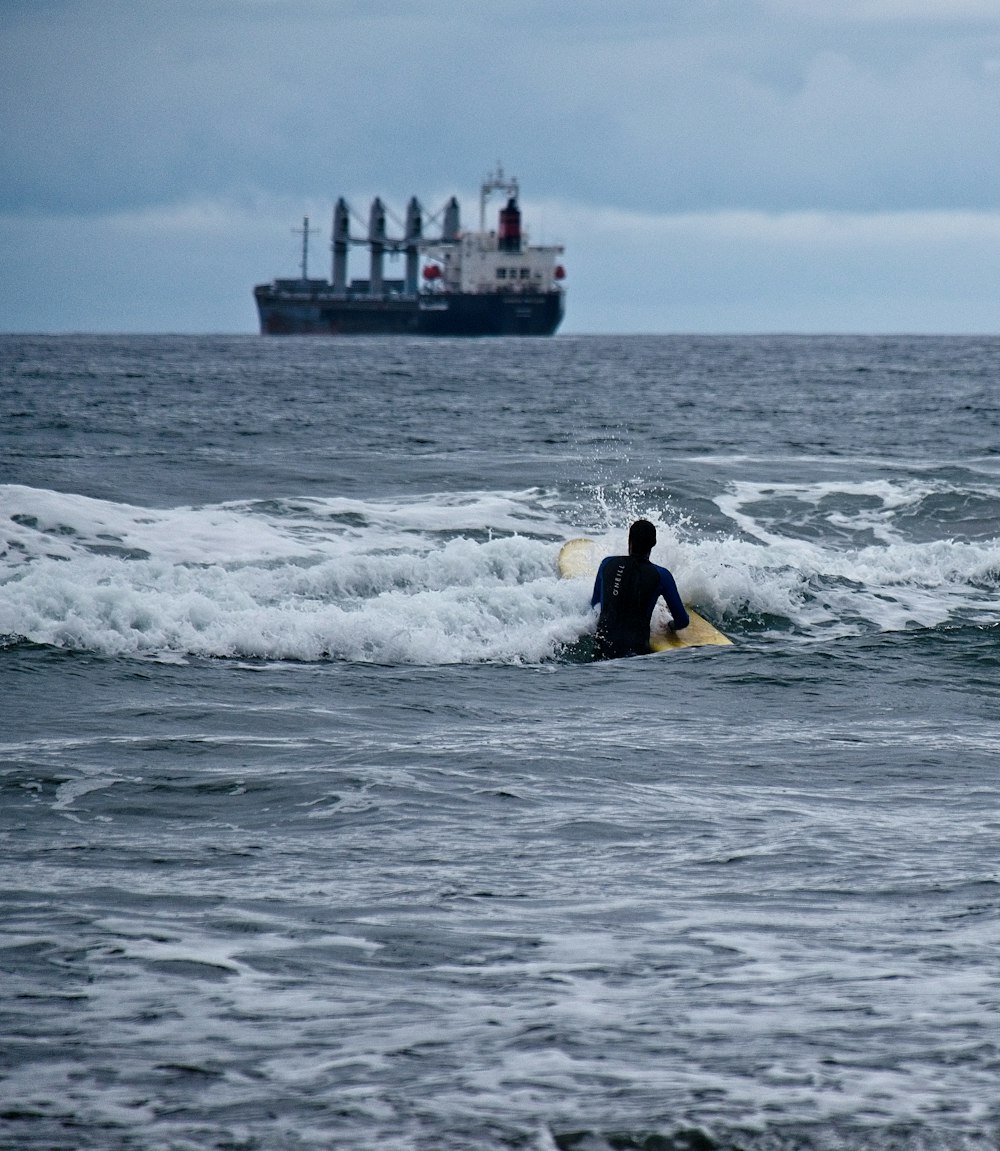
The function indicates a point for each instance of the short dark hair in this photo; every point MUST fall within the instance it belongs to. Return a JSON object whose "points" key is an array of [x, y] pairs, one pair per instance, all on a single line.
{"points": [[642, 536]]}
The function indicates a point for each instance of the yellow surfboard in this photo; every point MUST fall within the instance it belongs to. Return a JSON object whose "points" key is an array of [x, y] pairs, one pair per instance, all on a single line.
{"points": [[580, 558]]}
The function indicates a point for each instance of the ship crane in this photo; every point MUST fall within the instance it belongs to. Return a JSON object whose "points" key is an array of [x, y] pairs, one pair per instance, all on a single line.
{"points": [[417, 219], [379, 242]]}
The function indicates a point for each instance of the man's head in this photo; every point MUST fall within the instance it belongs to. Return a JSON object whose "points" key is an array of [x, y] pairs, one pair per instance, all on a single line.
{"points": [[641, 538]]}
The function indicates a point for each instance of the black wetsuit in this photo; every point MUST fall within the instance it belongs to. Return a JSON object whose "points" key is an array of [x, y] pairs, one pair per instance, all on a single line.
{"points": [[627, 589]]}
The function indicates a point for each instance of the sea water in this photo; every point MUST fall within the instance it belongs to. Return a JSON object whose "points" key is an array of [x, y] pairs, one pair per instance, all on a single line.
{"points": [[319, 828]]}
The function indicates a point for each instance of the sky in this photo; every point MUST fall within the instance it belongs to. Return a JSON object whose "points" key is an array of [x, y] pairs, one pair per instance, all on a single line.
{"points": [[709, 165]]}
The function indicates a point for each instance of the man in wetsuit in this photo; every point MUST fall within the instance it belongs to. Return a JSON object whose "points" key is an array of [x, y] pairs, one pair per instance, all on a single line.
{"points": [[626, 590]]}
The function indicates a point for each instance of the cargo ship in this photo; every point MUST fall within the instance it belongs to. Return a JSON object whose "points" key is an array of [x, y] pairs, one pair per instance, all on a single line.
{"points": [[485, 283]]}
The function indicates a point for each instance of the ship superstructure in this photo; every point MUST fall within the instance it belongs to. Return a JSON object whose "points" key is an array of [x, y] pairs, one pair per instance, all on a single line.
{"points": [[455, 283]]}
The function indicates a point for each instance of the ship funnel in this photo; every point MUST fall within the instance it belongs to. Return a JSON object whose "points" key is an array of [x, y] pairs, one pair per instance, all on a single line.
{"points": [[509, 233]]}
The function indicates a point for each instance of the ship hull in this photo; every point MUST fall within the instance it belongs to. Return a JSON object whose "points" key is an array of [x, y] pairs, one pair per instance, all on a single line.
{"points": [[441, 314]]}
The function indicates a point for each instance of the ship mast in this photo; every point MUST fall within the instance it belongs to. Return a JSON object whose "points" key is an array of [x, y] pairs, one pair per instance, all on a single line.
{"points": [[495, 182], [304, 232]]}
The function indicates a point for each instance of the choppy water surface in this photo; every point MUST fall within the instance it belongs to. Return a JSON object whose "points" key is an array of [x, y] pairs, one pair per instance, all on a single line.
{"points": [[320, 830]]}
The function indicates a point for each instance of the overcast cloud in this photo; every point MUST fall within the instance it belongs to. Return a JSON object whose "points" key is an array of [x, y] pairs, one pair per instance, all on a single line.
{"points": [[711, 165]]}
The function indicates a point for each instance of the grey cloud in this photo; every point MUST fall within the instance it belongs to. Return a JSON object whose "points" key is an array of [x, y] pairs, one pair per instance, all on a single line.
{"points": [[700, 104], [683, 149]]}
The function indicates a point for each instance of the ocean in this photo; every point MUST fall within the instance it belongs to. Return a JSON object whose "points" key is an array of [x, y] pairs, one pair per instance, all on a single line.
{"points": [[319, 828]]}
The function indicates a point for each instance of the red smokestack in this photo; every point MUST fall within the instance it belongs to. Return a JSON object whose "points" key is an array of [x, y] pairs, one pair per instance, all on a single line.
{"points": [[509, 235]]}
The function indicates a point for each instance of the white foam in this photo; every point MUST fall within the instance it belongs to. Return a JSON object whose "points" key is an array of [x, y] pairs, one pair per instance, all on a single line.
{"points": [[67, 793], [456, 577], [826, 581], [392, 581]]}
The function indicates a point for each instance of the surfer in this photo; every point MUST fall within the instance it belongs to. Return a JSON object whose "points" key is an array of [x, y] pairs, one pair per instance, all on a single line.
{"points": [[626, 591]]}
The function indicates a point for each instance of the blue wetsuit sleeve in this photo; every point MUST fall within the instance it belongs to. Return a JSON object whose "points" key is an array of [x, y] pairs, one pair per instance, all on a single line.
{"points": [[595, 599], [675, 605]]}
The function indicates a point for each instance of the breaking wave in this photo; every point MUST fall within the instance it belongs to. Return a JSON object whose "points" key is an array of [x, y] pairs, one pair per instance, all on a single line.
{"points": [[471, 577]]}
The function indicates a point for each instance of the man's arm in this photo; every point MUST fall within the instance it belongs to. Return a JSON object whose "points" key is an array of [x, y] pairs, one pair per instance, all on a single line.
{"points": [[675, 605], [595, 599]]}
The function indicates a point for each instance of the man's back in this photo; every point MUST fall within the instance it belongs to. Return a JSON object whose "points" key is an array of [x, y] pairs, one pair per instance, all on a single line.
{"points": [[627, 590]]}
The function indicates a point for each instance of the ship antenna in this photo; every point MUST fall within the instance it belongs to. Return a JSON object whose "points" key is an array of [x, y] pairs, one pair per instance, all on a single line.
{"points": [[304, 233]]}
